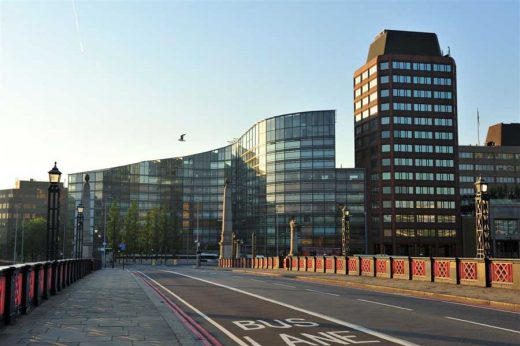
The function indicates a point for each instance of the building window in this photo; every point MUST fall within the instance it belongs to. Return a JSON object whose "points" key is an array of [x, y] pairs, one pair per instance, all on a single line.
{"points": [[396, 78], [385, 106], [400, 161], [425, 218], [404, 190], [422, 107], [424, 190], [444, 163], [403, 175], [445, 204], [401, 92], [384, 79], [403, 120], [506, 227], [402, 106], [423, 148], [423, 121], [425, 204], [385, 120], [446, 218], [424, 162], [442, 108], [441, 68], [444, 135], [423, 134], [422, 67], [387, 176], [402, 134], [372, 70], [385, 134], [422, 93], [422, 80], [442, 81], [443, 122], [385, 148], [401, 65], [445, 190], [385, 93], [383, 66], [404, 204], [373, 110], [444, 177], [424, 176], [407, 148]]}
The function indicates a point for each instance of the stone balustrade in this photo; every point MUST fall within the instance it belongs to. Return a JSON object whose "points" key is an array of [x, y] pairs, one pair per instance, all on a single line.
{"points": [[493, 272]]}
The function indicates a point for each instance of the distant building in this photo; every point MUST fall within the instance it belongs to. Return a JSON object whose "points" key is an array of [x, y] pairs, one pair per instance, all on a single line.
{"points": [[503, 135], [499, 164], [26, 201], [405, 112], [283, 166]]}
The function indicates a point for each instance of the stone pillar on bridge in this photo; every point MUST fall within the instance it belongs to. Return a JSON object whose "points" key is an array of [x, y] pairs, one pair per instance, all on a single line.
{"points": [[226, 242], [87, 235]]}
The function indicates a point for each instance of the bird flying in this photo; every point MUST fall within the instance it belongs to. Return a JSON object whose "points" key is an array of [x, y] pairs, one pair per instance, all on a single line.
{"points": [[182, 138]]}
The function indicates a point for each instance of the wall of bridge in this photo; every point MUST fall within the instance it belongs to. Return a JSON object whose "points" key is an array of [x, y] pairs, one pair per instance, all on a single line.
{"points": [[503, 273], [23, 287]]}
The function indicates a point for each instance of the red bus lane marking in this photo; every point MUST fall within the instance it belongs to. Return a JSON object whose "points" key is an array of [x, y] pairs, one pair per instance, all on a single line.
{"points": [[191, 324], [290, 330]]}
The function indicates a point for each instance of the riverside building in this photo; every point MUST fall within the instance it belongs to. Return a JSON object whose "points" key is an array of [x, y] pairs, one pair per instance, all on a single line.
{"points": [[405, 113], [282, 167]]}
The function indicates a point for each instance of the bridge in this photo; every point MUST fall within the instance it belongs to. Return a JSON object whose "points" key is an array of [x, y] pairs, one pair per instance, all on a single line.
{"points": [[239, 302]]}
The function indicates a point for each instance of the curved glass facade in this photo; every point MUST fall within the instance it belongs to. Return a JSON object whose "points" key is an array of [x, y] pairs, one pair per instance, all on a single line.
{"points": [[282, 167]]}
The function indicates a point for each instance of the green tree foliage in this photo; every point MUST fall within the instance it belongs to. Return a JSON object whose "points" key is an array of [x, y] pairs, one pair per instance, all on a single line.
{"points": [[131, 229], [35, 239], [113, 227]]}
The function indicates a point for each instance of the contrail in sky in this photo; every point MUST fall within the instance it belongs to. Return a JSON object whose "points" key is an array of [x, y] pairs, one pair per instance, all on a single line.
{"points": [[77, 26]]}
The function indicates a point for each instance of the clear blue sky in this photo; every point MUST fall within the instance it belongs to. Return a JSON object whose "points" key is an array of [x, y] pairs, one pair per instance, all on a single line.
{"points": [[137, 74]]}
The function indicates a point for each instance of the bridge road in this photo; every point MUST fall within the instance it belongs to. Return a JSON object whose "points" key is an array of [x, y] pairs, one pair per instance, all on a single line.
{"points": [[255, 310]]}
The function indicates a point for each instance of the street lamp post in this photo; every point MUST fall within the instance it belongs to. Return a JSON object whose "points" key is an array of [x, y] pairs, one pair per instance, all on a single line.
{"points": [[482, 219], [79, 231], [345, 230], [53, 212], [197, 232]]}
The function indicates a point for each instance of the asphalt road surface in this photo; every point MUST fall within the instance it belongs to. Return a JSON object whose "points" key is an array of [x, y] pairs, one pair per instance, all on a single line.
{"points": [[232, 308]]}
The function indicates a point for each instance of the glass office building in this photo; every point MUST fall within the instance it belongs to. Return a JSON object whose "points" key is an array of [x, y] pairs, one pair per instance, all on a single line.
{"points": [[282, 167]]}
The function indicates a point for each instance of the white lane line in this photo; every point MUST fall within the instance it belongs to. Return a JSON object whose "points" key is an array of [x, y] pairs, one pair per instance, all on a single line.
{"points": [[200, 313], [330, 294], [483, 324], [389, 305], [284, 285], [312, 313]]}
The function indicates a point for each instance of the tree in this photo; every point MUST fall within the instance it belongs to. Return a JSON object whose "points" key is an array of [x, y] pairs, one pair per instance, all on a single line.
{"points": [[35, 239], [131, 229], [114, 223]]}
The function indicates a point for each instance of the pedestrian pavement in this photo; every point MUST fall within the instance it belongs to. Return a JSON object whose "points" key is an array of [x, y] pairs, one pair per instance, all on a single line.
{"points": [[500, 298], [107, 307]]}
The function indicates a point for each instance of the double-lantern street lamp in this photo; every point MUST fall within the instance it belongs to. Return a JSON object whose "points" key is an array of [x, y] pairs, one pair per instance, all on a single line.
{"points": [[482, 219], [79, 231], [53, 213]]}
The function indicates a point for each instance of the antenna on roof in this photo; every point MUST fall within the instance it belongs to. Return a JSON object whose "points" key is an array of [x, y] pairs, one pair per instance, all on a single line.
{"points": [[478, 128], [448, 54]]}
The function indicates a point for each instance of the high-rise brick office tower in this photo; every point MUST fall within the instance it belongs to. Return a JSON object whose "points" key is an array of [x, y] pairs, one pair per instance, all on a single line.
{"points": [[405, 113]]}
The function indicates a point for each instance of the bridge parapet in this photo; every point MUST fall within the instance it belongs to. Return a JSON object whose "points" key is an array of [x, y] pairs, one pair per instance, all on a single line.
{"points": [[497, 272], [25, 286]]}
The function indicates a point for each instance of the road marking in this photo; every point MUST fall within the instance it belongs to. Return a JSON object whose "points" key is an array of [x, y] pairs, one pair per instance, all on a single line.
{"points": [[331, 294], [389, 305], [200, 313], [483, 324], [284, 285], [312, 313]]}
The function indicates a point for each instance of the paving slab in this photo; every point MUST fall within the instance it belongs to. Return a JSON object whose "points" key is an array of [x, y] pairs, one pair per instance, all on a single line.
{"points": [[107, 307]]}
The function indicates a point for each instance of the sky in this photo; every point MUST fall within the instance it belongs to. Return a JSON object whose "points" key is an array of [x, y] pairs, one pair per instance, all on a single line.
{"points": [[98, 84]]}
